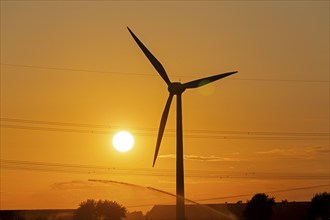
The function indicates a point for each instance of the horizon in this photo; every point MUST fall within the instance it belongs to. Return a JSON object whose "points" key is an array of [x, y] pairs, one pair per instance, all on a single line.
{"points": [[226, 210]]}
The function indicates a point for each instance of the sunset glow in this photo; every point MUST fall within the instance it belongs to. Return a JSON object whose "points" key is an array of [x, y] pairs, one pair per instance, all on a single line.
{"points": [[72, 77]]}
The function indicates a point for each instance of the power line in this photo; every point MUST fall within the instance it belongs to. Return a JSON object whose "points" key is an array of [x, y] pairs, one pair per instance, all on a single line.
{"points": [[28, 121], [282, 80], [77, 169], [207, 199], [74, 70], [105, 170], [81, 70], [270, 133], [154, 75], [241, 195], [273, 191], [143, 131], [201, 136]]}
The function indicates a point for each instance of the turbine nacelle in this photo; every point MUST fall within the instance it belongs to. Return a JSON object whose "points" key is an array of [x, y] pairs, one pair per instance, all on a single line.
{"points": [[176, 88]]}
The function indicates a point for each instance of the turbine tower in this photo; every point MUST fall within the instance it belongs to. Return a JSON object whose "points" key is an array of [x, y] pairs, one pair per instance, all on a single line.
{"points": [[175, 88]]}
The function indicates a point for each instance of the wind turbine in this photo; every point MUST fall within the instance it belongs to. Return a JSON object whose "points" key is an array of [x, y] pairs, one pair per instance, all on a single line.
{"points": [[175, 88]]}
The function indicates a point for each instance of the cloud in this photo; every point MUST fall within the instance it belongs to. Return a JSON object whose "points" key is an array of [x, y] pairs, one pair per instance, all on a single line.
{"points": [[73, 185], [211, 158], [297, 153], [98, 189], [322, 149]]}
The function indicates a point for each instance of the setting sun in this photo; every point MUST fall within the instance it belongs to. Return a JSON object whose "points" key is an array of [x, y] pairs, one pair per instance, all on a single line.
{"points": [[123, 141]]}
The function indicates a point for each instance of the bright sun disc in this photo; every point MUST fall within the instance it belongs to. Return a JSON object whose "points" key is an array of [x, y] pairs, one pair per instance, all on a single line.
{"points": [[123, 141]]}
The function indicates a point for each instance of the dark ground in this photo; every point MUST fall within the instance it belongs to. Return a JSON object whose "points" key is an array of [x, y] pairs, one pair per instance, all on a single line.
{"points": [[281, 211]]}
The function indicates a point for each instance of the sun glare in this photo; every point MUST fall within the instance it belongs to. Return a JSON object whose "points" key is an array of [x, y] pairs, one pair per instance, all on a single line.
{"points": [[123, 141]]}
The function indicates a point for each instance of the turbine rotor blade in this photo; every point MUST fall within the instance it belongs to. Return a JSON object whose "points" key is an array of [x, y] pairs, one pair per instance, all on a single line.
{"points": [[206, 80], [162, 126], [157, 65]]}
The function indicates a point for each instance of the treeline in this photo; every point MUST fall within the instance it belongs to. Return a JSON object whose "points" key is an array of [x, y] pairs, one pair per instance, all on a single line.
{"points": [[259, 207]]}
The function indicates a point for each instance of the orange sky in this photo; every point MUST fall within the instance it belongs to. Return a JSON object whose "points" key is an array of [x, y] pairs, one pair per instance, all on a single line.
{"points": [[69, 68]]}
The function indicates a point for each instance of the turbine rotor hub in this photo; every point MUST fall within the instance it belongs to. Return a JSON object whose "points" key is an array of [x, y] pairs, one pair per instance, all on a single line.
{"points": [[176, 88]]}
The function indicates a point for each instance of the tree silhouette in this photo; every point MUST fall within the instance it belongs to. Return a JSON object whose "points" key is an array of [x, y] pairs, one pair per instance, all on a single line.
{"points": [[96, 210], [260, 207], [109, 210], [86, 210], [319, 207]]}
